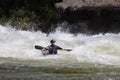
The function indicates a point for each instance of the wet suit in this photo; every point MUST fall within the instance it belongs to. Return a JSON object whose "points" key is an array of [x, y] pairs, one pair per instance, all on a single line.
{"points": [[53, 49]]}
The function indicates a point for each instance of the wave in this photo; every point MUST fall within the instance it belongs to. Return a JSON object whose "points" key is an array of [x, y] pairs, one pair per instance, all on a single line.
{"points": [[98, 49]]}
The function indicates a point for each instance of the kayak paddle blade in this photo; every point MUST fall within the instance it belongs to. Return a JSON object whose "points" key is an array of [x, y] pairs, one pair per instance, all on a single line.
{"points": [[38, 47]]}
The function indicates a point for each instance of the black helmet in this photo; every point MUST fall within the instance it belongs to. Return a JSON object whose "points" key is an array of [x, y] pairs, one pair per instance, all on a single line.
{"points": [[52, 40]]}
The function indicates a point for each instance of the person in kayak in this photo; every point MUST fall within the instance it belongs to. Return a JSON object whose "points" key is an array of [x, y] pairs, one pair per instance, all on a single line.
{"points": [[52, 49]]}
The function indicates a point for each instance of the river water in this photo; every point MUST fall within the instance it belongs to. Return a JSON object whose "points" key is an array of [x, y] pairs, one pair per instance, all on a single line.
{"points": [[95, 57]]}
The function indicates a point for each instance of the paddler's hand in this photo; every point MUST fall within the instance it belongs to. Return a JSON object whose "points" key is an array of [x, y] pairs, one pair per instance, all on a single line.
{"points": [[45, 49]]}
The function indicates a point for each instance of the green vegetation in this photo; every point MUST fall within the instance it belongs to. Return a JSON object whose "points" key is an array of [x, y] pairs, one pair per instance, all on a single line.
{"points": [[19, 13]]}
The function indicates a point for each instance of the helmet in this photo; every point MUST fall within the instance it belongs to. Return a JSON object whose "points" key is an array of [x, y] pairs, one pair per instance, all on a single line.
{"points": [[52, 40]]}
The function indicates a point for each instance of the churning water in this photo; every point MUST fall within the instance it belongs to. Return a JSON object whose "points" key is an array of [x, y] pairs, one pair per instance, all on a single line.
{"points": [[95, 57]]}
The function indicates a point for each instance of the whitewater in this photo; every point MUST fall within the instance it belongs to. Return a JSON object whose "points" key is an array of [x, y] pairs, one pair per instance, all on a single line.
{"points": [[93, 49], [93, 57]]}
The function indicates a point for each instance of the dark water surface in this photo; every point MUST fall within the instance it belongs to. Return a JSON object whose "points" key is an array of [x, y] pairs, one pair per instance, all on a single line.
{"points": [[13, 69]]}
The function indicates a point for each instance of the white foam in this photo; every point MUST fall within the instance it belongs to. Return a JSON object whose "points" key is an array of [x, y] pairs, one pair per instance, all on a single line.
{"points": [[103, 49]]}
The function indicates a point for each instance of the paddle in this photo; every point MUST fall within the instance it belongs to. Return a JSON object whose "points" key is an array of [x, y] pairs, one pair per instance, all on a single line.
{"points": [[38, 47], [68, 49]]}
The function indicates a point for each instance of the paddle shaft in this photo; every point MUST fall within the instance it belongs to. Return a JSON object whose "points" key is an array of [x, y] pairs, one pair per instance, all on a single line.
{"points": [[67, 49]]}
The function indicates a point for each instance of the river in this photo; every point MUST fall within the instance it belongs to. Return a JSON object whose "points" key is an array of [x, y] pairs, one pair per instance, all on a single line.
{"points": [[93, 57]]}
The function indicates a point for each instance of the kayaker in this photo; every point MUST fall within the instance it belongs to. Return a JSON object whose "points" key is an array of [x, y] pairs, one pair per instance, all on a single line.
{"points": [[53, 48]]}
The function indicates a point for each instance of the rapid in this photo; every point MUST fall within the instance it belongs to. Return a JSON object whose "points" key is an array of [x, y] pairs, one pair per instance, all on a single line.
{"points": [[88, 52]]}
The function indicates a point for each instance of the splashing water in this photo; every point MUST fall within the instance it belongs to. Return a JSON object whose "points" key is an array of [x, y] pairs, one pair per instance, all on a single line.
{"points": [[96, 49]]}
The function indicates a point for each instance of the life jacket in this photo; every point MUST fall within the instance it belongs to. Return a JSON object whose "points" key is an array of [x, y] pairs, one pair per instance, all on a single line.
{"points": [[53, 49]]}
